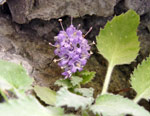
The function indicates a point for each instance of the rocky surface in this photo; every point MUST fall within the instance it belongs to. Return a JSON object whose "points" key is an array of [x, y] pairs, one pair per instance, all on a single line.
{"points": [[20, 9], [25, 10], [140, 6]]}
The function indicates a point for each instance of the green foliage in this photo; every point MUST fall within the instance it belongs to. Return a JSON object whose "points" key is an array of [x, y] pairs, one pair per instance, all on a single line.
{"points": [[140, 80], [13, 76], [45, 94], [56, 111], [87, 92], [87, 76], [64, 83], [85, 113], [115, 105], [4, 84], [75, 80], [118, 41], [28, 106], [65, 97]]}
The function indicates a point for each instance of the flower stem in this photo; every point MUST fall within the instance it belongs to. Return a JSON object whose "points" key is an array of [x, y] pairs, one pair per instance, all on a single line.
{"points": [[107, 79]]}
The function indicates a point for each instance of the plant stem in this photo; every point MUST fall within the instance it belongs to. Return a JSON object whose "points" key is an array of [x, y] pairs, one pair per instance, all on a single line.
{"points": [[107, 79]]}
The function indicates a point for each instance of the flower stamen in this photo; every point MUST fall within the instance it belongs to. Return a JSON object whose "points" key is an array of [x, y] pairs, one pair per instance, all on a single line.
{"points": [[91, 52], [71, 20], [51, 44], [57, 46], [78, 26], [88, 32], [60, 20], [57, 60]]}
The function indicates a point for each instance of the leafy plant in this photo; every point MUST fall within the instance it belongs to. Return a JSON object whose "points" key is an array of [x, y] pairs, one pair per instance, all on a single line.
{"points": [[78, 78], [14, 75], [14, 78], [64, 97], [46, 94], [140, 80], [118, 43], [26, 106], [115, 105]]}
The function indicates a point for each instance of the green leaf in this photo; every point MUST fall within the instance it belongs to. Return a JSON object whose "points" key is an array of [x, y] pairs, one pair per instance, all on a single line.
{"points": [[140, 80], [87, 76], [4, 85], [13, 75], [78, 78], [56, 111], [114, 105], [118, 41], [46, 94], [69, 115], [64, 97], [87, 92], [85, 113], [28, 106], [64, 83], [75, 80]]}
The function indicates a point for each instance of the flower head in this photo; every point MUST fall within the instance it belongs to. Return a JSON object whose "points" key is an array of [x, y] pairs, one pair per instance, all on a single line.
{"points": [[73, 50]]}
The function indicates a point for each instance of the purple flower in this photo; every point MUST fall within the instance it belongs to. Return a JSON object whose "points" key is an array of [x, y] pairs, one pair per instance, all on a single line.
{"points": [[73, 50]]}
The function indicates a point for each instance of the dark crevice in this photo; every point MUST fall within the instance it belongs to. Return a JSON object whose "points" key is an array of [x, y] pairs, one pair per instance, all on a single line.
{"points": [[119, 8], [35, 4], [1, 99], [5, 9]]}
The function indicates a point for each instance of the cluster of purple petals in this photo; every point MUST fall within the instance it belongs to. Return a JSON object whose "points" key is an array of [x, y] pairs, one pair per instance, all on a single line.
{"points": [[73, 50]]}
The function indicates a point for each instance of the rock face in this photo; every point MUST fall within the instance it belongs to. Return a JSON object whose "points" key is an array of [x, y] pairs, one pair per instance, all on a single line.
{"points": [[20, 9], [140, 6], [25, 10], [7, 50]]}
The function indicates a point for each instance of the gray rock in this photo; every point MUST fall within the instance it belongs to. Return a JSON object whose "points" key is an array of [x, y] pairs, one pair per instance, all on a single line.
{"points": [[140, 6], [7, 51], [26, 10], [147, 21], [20, 9]]}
